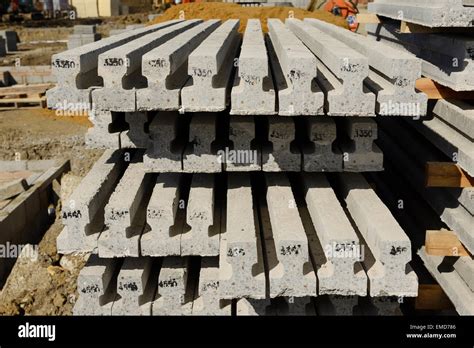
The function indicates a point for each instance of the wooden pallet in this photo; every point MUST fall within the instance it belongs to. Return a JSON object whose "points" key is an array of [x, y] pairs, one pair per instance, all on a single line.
{"points": [[444, 243], [436, 91], [446, 174], [24, 96]]}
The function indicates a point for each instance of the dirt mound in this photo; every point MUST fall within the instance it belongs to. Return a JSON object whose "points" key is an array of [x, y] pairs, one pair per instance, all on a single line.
{"points": [[215, 10]]}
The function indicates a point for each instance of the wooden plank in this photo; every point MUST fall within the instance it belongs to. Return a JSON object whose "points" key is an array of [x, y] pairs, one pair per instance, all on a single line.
{"points": [[432, 297], [22, 100], [445, 174], [436, 91], [444, 243], [25, 89], [412, 28], [368, 18], [11, 176]]}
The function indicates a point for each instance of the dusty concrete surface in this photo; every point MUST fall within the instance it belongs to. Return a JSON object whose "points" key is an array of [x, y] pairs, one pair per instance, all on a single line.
{"points": [[46, 286]]}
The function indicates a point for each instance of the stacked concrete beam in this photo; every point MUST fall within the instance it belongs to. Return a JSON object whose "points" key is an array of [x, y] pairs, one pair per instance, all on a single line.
{"points": [[390, 249], [97, 286], [360, 153], [76, 69], [446, 58], [164, 235], [166, 68], [247, 155], [121, 68], [83, 213], [125, 216], [392, 73], [207, 301], [343, 71], [321, 154], [241, 268], [253, 92], [294, 68], [200, 155], [430, 13], [455, 287], [290, 270], [136, 287], [334, 245], [210, 69]]}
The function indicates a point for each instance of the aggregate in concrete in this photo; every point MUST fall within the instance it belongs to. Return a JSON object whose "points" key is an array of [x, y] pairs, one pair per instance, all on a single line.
{"points": [[294, 69], [341, 71], [166, 68], [210, 67], [253, 92]]}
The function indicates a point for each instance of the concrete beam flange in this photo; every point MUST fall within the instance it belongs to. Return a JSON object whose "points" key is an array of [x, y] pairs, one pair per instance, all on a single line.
{"points": [[76, 69], [166, 68], [333, 243], [341, 71], [388, 259], [360, 153], [200, 155], [279, 154], [105, 133], [97, 286], [244, 155], [168, 141], [294, 69], [203, 218], [207, 300], [290, 270], [210, 67], [83, 213], [320, 154], [241, 268], [248, 307], [163, 235], [137, 136], [253, 92]]}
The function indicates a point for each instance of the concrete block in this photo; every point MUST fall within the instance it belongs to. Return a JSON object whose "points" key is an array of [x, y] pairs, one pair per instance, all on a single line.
{"points": [[175, 292], [163, 237], [452, 284], [97, 286], [210, 67], [137, 136], [85, 29], [290, 270], [203, 219], [11, 40], [125, 216], [279, 153], [319, 152], [121, 68], [392, 73], [445, 58], [294, 68], [253, 92], [200, 155], [388, 266], [241, 268], [334, 245], [244, 154], [105, 133], [83, 212], [166, 68], [76, 69], [78, 40], [167, 143], [207, 300], [341, 71], [360, 153], [429, 13], [136, 287]]}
